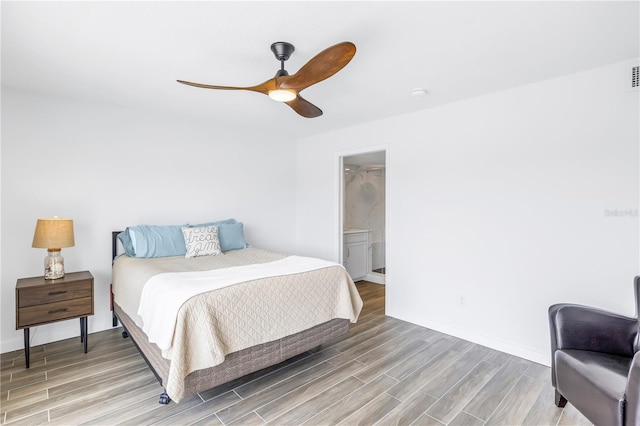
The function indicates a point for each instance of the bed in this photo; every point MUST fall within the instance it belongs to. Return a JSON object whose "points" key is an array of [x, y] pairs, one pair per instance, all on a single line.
{"points": [[205, 320]]}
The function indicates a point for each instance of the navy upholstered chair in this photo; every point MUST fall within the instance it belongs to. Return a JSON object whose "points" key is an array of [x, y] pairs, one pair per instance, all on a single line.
{"points": [[595, 362]]}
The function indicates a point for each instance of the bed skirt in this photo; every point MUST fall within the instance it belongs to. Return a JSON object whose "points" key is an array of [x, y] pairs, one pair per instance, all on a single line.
{"points": [[236, 364]]}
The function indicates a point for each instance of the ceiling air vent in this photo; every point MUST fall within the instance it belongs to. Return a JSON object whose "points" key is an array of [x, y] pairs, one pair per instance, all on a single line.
{"points": [[635, 78]]}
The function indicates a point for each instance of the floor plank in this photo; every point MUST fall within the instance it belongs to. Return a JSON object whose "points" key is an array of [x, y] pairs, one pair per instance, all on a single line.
{"points": [[462, 392], [320, 402], [409, 410], [372, 411], [517, 404], [492, 394], [353, 402], [384, 371], [309, 390]]}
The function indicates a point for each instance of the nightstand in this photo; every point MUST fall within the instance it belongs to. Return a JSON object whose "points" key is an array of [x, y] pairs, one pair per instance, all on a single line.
{"points": [[40, 301]]}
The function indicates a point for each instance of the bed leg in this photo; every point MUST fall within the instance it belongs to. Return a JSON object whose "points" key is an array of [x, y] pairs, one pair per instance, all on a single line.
{"points": [[164, 398], [114, 318]]}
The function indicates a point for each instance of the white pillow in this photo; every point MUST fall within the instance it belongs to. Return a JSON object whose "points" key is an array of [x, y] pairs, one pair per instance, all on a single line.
{"points": [[201, 241]]}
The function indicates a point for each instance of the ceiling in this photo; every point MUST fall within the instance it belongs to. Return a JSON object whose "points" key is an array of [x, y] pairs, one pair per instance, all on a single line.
{"points": [[131, 53]]}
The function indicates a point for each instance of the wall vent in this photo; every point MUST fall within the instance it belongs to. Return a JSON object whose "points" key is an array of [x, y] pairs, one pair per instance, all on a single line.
{"points": [[635, 77]]}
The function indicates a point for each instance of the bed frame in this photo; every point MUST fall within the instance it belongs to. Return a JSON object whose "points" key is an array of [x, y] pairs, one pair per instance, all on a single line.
{"points": [[237, 364]]}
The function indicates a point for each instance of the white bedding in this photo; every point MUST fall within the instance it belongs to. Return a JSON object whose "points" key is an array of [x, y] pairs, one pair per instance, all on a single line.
{"points": [[172, 289], [130, 273]]}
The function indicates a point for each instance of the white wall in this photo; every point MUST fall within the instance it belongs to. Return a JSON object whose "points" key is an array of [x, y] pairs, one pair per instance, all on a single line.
{"points": [[501, 200], [108, 167]]}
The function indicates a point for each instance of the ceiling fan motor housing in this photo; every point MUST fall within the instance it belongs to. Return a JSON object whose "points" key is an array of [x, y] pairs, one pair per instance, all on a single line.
{"points": [[282, 50]]}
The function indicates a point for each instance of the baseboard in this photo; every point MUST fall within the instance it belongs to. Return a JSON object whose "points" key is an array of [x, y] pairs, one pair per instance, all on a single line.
{"points": [[480, 339], [375, 278]]}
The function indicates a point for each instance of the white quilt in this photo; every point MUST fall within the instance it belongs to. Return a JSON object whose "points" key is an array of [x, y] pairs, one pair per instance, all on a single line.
{"points": [[172, 289]]}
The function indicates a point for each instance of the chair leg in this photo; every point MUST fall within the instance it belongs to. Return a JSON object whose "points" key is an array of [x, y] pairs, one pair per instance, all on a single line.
{"points": [[560, 400]]}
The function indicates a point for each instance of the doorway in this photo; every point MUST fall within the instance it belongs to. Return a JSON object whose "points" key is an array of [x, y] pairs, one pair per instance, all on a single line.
{"points": [[364, 211]]}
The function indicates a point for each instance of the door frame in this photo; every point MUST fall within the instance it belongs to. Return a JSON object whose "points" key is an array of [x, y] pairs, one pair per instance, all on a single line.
{"points": [[339, 229]]}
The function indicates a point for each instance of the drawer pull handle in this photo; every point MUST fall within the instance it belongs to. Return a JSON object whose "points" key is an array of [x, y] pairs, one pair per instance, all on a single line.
{"points": [[56, 311], [53, 293]]}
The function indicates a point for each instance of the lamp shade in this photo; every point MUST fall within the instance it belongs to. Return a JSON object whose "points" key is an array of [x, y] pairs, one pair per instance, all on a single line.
{"points": [[53, 232]]}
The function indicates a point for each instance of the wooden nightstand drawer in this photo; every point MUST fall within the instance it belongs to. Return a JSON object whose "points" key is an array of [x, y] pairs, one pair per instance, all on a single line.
{"points": [[40, 301], [55, 293], [50, 312]]}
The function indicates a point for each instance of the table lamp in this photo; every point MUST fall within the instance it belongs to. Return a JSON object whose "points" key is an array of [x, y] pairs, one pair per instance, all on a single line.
{"points": [[53, 234]]}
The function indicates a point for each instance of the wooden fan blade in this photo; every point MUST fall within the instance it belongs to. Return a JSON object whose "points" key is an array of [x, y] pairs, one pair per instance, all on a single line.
{"points": [[262, 87], [322, 66], [304, 107]]}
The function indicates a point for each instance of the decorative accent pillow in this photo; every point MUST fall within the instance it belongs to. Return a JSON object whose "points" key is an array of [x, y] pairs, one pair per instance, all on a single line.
{"points": [[201, 241]]}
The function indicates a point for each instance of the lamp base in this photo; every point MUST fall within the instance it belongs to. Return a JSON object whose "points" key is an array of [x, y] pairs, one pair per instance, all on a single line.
{"points": [[53, 265]]}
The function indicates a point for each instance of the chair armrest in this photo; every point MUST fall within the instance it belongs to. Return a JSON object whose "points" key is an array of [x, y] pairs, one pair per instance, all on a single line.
{"points": [[591, 329], [632, 409]]}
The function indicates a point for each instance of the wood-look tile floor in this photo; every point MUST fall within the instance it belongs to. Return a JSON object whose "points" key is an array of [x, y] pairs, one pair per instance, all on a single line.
{"points": [[384, 371]]}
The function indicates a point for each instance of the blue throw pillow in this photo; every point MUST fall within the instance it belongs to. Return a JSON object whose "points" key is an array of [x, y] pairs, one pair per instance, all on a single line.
{"points": [[158, 241], [127, 244], [153, 241], [231, 236], [217, 223]]}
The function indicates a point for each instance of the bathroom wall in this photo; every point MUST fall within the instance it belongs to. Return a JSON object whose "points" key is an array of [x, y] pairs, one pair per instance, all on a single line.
{"points": [[364, 206]]}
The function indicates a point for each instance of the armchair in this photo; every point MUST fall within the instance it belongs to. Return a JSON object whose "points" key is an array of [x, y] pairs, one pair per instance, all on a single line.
{"points": [[595, 362]]}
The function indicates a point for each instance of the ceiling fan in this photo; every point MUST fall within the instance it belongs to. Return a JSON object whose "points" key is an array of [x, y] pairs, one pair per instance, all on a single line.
{"points": [[286, 88]]}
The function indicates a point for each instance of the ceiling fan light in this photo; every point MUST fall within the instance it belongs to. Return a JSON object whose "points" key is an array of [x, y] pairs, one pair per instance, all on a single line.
{"points": [[282, 95]]}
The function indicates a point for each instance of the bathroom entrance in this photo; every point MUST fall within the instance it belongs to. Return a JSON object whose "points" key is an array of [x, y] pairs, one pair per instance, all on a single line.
{"points": [[364, 215]]}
